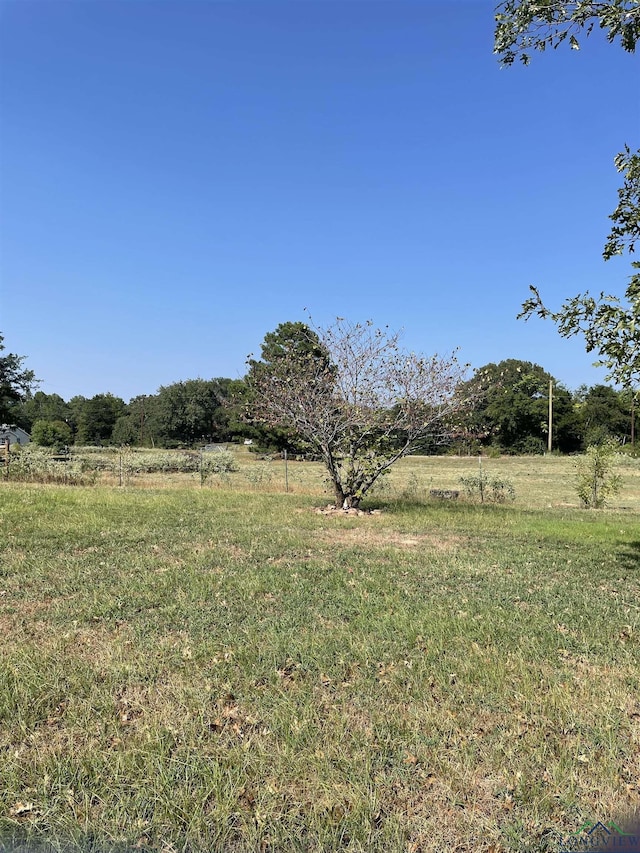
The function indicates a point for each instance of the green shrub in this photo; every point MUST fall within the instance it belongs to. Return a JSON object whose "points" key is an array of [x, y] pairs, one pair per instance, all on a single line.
{"points": [[596, 479], [55, 434], [260, 475], [414, 489], [32, 464], [484, 488], [530, 446], [158, 461], [218, 462]]}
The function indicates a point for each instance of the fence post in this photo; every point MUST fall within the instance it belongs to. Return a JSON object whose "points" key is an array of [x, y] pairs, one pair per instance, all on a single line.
{"points": [[286, 473]]}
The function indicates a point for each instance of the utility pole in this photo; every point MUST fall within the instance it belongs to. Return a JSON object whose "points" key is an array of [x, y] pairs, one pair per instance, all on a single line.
{"points": [[550, 438], [142, 422]]}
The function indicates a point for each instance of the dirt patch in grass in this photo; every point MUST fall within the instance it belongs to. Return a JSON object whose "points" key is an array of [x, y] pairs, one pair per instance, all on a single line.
{"points": [[392, 539], [382, 538]]}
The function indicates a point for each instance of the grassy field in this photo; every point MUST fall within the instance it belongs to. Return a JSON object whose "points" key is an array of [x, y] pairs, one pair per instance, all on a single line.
{"points": [[540, 481], [228, 669]]}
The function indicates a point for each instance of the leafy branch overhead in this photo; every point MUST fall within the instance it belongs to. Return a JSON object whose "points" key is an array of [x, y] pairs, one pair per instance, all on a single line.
{"points": [[609, 324], [626, 216], [526, 25]]}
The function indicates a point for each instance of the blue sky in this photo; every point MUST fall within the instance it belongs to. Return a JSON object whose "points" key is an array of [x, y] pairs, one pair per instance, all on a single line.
{"points": [[177, 178]]}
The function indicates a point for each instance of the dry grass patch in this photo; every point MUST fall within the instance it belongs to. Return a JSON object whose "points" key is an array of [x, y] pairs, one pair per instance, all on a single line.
{"points": [[370, 538]]}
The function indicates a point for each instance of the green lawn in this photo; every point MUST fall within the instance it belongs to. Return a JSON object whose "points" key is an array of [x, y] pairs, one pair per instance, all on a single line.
{"points": [[225, 669]]}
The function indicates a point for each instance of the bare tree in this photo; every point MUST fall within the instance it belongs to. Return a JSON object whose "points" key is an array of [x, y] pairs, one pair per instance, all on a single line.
{"points": [[360, 402]]}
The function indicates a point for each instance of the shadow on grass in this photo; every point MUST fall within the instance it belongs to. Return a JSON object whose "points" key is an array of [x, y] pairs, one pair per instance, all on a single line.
{"points": [[433, 512], [629, 556], [429, 504]]}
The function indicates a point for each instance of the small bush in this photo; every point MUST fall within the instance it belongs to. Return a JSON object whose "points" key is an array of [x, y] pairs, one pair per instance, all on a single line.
{"points": [[95, 458], [596, 479], [55, 434], [218, 462], [32, 464], [530, 446], [629, 451], [413, 489], [158, 461], [484, 488], [259, 475]]}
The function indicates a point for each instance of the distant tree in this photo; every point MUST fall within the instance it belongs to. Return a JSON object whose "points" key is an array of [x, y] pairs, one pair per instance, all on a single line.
{"points": [[125, 431], [609, 324], [290, 341], [51, 433], [512, 408], [76, 405], [194, 411], [191, 412], [358, 400], [604, 413], [44, 407], [97, 419], [16, 383], [140, 424], [229, 421]]}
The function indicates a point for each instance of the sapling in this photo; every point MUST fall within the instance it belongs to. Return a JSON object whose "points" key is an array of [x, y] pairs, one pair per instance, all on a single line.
{"points": [[596, 478]]}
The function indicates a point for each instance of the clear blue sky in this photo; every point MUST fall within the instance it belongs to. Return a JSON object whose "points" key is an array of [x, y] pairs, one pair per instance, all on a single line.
{"points": [[177, 178]]}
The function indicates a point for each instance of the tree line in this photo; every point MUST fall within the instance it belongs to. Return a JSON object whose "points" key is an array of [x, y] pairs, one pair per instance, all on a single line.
{"points": [[184, 414], [508, 408]]}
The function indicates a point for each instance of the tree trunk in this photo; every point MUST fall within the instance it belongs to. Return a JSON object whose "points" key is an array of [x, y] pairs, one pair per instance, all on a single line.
{"points": [[350, 502], [334, 476]]}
